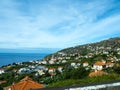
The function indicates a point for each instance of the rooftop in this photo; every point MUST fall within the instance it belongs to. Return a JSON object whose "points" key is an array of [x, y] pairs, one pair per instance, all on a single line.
{"points": [[25, 84], [100, 63], [96, 73]]}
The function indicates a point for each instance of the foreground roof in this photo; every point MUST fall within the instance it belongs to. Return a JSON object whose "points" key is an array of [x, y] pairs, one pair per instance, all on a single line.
{"points": [[25, 84]]}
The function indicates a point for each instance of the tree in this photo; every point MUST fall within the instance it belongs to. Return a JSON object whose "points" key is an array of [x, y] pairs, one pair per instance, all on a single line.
{"points": [[116, 69], [1, 88], [78, 73]]}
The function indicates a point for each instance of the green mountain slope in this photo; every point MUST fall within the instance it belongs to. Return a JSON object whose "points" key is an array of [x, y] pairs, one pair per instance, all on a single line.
{"points": [[102, 47]]}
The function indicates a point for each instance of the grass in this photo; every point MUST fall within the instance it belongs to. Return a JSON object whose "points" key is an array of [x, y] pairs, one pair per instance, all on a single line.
{"points": [[87, 80]]}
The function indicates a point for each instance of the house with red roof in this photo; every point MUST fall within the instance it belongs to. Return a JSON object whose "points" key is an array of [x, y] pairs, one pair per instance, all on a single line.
{"points": [[99, 65], [85, 64], [97, 73], [25, 84], [52, 71]]}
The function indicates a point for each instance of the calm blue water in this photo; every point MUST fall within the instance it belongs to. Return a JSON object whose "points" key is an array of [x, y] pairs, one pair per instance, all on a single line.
{"points": [[9, 58]]}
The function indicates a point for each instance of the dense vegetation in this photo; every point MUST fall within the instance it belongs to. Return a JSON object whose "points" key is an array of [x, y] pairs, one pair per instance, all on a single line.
{"points": [[87, 80]]}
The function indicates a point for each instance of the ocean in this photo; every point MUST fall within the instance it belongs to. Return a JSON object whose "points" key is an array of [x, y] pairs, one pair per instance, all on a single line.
{"points": [[9, 58]]}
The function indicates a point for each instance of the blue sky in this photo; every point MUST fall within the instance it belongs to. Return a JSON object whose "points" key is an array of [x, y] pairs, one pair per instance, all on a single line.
{"points": [[57, 23]]}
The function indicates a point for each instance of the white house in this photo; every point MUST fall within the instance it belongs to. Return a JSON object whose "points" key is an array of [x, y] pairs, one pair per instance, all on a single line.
{"points": [[52, 71], [43, 62], [109, 64], [64, 61], [105, 52], [52, 61], [85, 64], [73, 64], [119, 52], [23, 70], [2, 71], [60, 69], [67, 57], [60, 58], [78, 64], [41, 72], [118, 49], [99, 65]]}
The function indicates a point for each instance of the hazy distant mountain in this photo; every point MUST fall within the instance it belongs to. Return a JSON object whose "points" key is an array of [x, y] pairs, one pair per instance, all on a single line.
{"points": [[29, 50]]}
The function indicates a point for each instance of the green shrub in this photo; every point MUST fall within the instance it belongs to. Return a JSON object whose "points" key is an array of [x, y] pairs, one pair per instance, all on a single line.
{"points": [[87, 80]]}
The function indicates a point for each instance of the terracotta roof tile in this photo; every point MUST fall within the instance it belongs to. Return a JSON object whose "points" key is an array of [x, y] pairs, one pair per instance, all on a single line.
{"points": [[100, 63], [2, 82], [97, 73], [52, 69], [110, 63], [25, 84], [86, 63]]}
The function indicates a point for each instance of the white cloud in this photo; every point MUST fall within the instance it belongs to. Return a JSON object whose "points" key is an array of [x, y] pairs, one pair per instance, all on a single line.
{"points": [[54, 24]]}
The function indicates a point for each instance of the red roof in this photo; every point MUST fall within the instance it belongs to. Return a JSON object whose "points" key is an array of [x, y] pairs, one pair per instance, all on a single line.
{"points": [[2, 82], [86, 63], [100, 63], [25, 84], [52, 69], [97, 73]]}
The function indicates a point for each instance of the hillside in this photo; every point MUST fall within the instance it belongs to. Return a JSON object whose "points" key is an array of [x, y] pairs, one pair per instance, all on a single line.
{"points": [[102, 47], [112, 42]]}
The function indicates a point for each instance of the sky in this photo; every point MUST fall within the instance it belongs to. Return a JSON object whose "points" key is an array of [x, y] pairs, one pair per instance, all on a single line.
{"points": [[57, 23]]}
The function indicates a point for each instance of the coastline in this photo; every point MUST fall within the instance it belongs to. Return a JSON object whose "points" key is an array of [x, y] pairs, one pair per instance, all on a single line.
{"points": [[9, 58]]}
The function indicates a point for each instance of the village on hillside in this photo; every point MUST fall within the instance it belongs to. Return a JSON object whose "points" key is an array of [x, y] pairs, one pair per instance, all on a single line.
{"points": [[96, 61]]}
